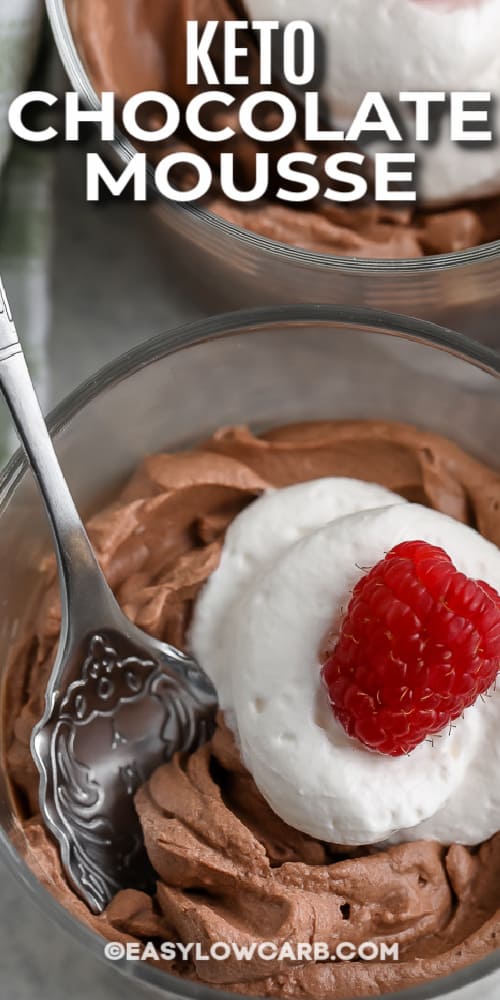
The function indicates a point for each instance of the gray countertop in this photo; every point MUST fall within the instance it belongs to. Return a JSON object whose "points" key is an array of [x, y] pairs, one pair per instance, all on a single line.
{"points": [[112, 286], [120, 287]]}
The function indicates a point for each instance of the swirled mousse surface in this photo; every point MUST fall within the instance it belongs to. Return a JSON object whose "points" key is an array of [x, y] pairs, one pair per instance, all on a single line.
{"points": [[139, 45], [228, 868]]}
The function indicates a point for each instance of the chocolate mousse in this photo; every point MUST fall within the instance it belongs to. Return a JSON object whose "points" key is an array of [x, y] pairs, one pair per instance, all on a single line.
{"points": [[138, 47], [228, 868]]}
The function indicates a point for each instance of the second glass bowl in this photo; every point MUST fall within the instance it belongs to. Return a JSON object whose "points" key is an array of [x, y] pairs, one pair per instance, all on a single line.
{"points": [[231, 267]]}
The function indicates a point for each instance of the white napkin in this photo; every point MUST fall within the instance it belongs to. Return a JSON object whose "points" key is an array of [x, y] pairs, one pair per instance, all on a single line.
{"points": [[20, 22], [25, 200]]}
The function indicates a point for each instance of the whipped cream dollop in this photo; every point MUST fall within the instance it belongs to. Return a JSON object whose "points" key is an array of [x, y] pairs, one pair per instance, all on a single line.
{"points": [[410, 45], [288, 566]]}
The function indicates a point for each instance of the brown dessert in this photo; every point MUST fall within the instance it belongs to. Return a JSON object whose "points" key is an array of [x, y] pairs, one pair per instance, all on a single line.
{"points": [[228, 868]]}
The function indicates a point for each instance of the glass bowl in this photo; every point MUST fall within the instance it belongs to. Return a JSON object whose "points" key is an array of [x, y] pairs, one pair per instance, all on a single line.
{"points": [[263, 367], [231, 267]]}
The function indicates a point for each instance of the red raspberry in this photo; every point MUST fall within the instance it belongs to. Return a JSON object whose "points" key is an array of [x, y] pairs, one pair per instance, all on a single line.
{"points": [[418, 644]]}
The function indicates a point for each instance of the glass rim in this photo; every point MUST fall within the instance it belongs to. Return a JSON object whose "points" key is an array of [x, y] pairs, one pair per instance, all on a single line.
{"points": [[242, 321], [442, 262], [124, 367]]}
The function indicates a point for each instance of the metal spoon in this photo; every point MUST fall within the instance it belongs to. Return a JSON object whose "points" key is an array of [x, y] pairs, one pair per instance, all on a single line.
{"points": [[118, 703]]}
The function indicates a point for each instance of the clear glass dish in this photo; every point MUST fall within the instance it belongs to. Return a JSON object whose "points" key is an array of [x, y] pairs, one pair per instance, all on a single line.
{"points": [[231, 267], [264, 367]]}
